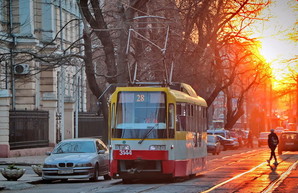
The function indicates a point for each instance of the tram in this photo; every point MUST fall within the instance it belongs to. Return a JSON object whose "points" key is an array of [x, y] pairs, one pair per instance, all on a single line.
{"points": [[157, 132]]}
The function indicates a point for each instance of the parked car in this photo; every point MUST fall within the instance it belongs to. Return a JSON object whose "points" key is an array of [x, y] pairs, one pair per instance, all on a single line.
{"points": [[236, 135], [228, 143], [77, 159], [223, 132], [288, 141], [213, 144], [263, 138]]}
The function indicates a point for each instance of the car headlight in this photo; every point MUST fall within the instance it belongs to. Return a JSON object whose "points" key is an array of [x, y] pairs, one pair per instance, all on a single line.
{"points": [[84, 165], [49, 166], [122, 147], [157, 147]]}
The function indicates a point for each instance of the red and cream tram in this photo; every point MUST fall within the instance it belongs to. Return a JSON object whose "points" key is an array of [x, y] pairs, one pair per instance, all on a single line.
{"points": [[157, 132]]}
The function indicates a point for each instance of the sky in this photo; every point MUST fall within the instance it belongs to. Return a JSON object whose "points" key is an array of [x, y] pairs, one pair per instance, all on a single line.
{"points": [[277, 48]]}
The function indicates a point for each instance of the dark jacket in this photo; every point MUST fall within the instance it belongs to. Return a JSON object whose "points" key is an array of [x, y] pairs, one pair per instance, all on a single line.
{"points": [[272, 140]]}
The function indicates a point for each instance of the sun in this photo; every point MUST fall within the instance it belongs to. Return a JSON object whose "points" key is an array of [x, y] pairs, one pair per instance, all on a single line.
{"points": [[277, 53], [273, 33]]}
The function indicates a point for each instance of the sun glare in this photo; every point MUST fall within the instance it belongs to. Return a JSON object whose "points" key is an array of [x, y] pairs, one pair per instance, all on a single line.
{"points": [[276, 46]]}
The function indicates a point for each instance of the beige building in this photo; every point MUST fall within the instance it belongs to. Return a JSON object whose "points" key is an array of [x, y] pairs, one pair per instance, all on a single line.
{"points": [[41, 88]]}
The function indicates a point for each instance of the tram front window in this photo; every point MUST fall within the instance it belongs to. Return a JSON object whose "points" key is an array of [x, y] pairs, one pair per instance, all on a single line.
{"points": [[140, 114]]}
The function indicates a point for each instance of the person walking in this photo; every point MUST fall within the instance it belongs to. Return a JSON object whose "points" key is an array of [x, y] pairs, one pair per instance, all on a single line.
{"points": [[272, 143], [250, 140]]}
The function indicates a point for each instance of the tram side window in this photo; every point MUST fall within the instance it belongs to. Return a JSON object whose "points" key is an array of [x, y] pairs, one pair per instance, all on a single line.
{"points": [[187, 118], [181, 117], [204, 119], [171, 120], [200, 125], [195, 125], [192, 119]]}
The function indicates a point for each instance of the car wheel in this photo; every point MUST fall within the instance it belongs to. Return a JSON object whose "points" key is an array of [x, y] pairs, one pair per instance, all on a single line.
{"points": [[95, 175], [107, 177]]}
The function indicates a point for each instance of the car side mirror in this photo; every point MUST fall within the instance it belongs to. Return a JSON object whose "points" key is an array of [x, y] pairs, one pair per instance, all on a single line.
{"points": [[48, 153], [101, 152]]}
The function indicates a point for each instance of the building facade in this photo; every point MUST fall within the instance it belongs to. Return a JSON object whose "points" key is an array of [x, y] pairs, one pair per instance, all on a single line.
{"points": [[37, 72]]}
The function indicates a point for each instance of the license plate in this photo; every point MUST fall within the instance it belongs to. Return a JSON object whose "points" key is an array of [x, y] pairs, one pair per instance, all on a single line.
{"points": [[289, 143], [65, 171]]}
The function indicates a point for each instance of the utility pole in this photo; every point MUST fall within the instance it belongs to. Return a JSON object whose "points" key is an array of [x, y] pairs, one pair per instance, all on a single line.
{"points": [[61, 83], [12, 45]]}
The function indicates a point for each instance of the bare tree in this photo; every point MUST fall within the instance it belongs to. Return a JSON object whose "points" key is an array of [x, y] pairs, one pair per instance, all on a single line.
{"points": [[199, 33], [212, 27]]}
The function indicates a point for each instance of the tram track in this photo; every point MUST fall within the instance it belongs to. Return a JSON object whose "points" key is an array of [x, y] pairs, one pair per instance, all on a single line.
{"points": [[231, 179], [240, 172], [251, 154], [270, 188], [278, 181]]}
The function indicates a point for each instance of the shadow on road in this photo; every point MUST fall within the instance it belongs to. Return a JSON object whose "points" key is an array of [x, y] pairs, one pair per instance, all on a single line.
{"points": [[273, 174]]}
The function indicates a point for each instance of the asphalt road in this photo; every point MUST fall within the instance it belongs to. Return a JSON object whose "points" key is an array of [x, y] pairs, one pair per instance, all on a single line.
{"points": [[243, 170]]}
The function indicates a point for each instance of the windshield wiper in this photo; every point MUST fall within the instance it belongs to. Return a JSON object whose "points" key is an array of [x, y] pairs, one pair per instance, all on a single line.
{"points": [[147, 134]]}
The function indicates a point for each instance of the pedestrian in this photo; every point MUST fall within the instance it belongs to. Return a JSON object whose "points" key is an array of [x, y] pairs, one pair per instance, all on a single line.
{"points": [[272, 143], [250, 140]]}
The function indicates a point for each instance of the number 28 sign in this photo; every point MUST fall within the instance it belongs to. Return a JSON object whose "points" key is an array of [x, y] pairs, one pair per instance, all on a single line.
{"points": [[140, 98]]}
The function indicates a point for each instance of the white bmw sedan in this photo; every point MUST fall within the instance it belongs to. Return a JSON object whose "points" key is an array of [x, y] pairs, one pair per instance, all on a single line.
{"points": [[77, 159]]}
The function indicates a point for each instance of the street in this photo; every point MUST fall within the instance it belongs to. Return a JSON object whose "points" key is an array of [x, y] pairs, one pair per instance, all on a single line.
{"points": [[242, 170]]}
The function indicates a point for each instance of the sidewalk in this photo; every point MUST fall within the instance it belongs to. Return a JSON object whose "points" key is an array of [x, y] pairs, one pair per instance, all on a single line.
{"points": [[29, 176], [25, 161]]}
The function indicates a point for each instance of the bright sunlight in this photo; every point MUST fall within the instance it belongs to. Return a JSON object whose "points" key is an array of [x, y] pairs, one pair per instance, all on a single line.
{"points": [[274, 33]]}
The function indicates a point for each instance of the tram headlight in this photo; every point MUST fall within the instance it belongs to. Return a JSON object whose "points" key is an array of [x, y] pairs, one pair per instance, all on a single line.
{"points": [[157, 147], [122, 147]]}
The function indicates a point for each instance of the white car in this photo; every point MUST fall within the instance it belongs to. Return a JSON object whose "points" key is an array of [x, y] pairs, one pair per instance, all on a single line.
{"points": [[77, 159]]}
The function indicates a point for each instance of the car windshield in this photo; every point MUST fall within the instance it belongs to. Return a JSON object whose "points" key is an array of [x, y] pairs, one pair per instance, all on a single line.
{"points": [[233, 134], [211, 139], [75, 147], [264, 135]]}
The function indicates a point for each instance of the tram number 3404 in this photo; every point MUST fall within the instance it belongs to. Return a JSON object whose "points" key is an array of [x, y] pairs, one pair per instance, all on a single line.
{"points": [[125, 152]]}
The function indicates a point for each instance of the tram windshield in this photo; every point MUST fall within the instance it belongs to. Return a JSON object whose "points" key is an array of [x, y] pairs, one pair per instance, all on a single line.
{"points": [[140, 114]]}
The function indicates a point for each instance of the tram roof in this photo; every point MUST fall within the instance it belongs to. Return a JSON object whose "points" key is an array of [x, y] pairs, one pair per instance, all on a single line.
{"points": [[182, 93], [183, 97]]}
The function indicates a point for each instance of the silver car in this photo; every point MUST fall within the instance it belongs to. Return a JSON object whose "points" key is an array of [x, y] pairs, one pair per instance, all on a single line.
{"points": [[77, 159]]}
